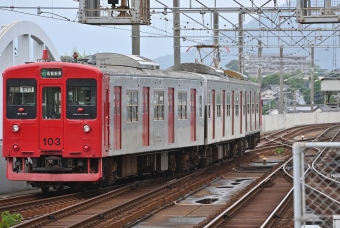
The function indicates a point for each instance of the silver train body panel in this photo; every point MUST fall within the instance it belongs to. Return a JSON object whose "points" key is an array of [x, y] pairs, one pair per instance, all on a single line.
{"points": [[136, 77]]}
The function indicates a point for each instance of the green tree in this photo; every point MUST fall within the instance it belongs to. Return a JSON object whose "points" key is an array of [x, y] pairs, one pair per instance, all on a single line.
{"points": [[232, 65], [66, 55]]}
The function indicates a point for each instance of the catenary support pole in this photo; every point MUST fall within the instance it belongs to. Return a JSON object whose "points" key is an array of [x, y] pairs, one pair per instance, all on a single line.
{"points": [[240, 42], [281, 81], [135, 40], [259, 69], [312, 78], [177, 34]]}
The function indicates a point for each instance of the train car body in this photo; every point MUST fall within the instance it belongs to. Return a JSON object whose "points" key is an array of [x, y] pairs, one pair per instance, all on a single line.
{"points": [[70, 124]]}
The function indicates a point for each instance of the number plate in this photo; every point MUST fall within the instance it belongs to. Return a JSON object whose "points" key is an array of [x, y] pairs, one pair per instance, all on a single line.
{"points": [[51, 141]]}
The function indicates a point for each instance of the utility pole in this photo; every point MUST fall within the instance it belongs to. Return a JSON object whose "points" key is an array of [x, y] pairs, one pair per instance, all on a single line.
{"points": [[216, 41], [177, 34], [240, 42], [135, 40], [312, 79], [281, 80], [295, 97], [259, 69]]}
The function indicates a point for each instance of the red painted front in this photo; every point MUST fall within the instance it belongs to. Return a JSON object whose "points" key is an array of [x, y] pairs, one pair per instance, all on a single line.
{"points": [[193, 115], [145, 116], [117, 119], [52, 135], [213, 112], [170, 115]]}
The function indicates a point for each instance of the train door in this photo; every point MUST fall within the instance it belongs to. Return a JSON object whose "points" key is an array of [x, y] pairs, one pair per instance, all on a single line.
{"points": [[246, 110], [213, 112], [251, 111], [232, 112], [193, 115], [106, 120], [223, 113], [145, 117], [171, 115], [117, 119], [255, 101], [241, 111], [51, 137]]}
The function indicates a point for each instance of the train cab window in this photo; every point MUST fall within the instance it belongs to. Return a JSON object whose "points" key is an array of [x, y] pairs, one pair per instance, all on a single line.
{"points": [[21, 93], [228, 104], [81, 99], [132, 105], [51, 103], [158, 105], [182, 105], [218, 104]]}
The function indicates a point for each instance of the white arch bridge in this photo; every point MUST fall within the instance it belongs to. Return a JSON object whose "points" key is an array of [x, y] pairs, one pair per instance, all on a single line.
{"points": [[20, 42], [23, 41]]}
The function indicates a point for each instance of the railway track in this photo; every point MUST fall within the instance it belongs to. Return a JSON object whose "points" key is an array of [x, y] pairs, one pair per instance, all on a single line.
{"points": [[131, 204]]}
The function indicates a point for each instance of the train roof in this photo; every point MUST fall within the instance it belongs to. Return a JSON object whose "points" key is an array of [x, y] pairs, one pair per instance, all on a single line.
{"points": [[118, 64]]}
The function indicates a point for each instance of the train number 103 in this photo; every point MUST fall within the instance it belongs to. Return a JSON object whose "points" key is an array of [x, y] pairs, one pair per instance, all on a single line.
{"points": [[51, 141]]}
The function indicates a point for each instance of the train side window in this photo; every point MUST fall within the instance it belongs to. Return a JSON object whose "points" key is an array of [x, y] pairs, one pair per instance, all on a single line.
{"points": [[257, 103], [200, 106], [218, 104], [248, 104], [209, 104], [228, 104], [51, 103], [253, 104], [237, 99], [182, 105], [132, 105], [158, 102]]}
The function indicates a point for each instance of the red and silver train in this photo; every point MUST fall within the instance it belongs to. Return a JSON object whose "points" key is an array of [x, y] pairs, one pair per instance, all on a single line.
{"points": [[71, 124]]}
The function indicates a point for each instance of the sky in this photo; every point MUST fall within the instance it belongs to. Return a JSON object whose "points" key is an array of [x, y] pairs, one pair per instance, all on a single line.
{"points": [[156, 39]]}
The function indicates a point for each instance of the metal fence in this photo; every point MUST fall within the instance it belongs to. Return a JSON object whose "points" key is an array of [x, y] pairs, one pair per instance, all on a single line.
{"points": [[316, 184]]}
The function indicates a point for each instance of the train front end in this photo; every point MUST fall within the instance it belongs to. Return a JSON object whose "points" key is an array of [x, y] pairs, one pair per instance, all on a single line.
{"points": [[51, 124]]}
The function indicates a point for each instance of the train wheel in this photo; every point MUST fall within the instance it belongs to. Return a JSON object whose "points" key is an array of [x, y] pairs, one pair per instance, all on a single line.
{"points": [[45, 189]]}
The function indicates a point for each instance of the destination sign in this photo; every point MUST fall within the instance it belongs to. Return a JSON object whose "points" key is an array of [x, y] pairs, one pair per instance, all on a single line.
{"points": [[51, 73]]}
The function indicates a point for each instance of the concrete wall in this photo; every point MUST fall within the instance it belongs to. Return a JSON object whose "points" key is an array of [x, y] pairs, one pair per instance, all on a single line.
{"points": [[282, 121]]}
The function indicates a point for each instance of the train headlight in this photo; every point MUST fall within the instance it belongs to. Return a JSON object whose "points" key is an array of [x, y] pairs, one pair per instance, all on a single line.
{"points": [[15, 147], [15, 128], [86, 128]]}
